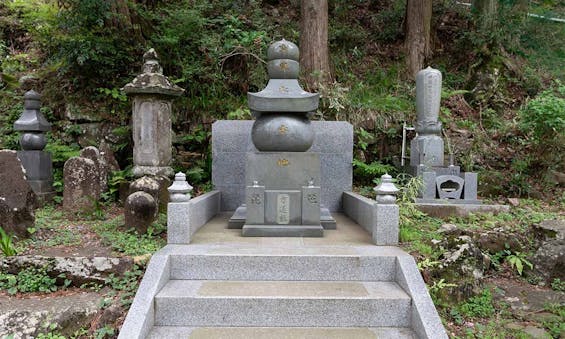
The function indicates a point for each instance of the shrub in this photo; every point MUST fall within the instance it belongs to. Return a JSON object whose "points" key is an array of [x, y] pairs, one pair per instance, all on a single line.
{"points": [[544, 116]]}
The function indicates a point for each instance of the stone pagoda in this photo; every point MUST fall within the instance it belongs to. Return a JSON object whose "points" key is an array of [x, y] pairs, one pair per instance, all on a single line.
{"points": [[36, 161], [282, 180]]}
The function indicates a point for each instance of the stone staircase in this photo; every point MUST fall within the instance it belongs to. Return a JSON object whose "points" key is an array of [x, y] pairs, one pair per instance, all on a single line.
{"points": [[340, 286], [312, 290]]}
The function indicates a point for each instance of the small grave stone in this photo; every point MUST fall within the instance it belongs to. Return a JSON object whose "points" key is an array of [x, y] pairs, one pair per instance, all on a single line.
{"points": [[93, 154], [17, 199], [81, 184], [139, 210], [146, 184], [108, 157]]}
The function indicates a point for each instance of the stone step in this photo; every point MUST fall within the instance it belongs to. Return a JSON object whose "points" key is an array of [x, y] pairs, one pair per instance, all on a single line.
{"points": [[173, 332], [282, 303], [312, 264]]}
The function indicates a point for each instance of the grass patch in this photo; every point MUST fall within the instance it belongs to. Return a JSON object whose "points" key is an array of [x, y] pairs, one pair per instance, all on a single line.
{"points": [[129, 242]]}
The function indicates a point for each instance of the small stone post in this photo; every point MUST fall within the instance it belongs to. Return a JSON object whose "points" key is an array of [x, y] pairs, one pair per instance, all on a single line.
{"points": [[37, 163], [178, 212], [386, 229], [152, 94]]}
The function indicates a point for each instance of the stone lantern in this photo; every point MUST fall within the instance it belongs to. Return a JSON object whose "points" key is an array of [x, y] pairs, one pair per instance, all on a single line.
{"points": [[37, 163], [152, 94]]}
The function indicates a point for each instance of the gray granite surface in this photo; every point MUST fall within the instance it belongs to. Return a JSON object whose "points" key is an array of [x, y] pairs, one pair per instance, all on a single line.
{"points": [[231, 140]]}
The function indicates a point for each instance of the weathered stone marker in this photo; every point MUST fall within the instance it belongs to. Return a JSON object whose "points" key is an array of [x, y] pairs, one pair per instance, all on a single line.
{"points": [[152, 94], [440, 182], [81, 184], [37, 163], [17, 199]]}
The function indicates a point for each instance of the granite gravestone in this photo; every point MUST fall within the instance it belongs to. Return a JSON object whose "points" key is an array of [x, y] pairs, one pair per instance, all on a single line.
{"points": [[152, 94], [440, 182], [282, 180], [37, 163]]}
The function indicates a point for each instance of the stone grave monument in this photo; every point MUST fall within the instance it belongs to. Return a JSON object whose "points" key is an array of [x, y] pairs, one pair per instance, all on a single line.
{"points": [[152, 94], [282, 180], [212, 280], [37, 162], [440, 182]]}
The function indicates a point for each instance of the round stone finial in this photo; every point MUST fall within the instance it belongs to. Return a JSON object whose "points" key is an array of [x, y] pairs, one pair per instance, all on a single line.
{"points": [[283, 49], [150, 55], [180, 189], [32, 95], [151, 62], [283, 60], [32, 100], [386, 190]]}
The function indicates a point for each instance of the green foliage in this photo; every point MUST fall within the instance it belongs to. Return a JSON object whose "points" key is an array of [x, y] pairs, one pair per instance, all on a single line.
{"points": [[437, 286], [212, 45], [6, 244], [241, 113], [126, 285], [59, 154], [544, 116], [115, 180], [128, 241], [92, 44], [372, 171], [51, 333], [333, 100], [558, 285], [31, 279], [556, 326], [104, 332], [516, 260], [480, 306]]}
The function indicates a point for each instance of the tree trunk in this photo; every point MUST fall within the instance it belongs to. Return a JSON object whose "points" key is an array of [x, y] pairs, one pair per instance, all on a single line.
{"points": [[314, 54], [123, 19], [418, 34], [486, 12]]}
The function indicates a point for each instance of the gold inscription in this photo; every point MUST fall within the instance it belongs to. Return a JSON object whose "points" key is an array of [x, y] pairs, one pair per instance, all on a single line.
{"points": [[282, 162], [284, 66], [283, 89], [283, 129], [283, 48]]}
